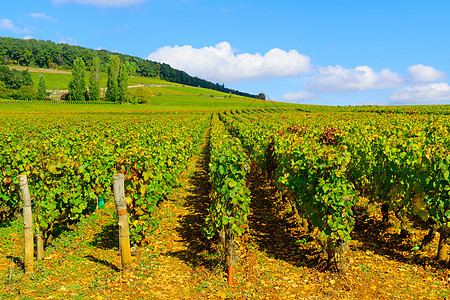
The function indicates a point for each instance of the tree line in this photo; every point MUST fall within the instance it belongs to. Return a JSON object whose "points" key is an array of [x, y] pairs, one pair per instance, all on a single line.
{"points": [[18, 85], [117, 83], [47, 54]]}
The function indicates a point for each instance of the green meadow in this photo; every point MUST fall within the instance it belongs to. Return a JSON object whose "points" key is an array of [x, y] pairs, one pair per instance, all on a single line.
{"points": [[59, 80], [164, 96]]}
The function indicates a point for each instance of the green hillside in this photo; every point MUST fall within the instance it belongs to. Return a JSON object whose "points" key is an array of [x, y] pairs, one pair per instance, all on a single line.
{"points": [[161, 96], [59, 79], [49, 55]]}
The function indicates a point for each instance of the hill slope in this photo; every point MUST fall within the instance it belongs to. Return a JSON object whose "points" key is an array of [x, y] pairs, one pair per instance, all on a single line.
{"points": [[47, 54]]}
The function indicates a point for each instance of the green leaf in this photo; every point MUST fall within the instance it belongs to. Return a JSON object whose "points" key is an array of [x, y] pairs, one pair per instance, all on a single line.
{"points": [[86, 177], [221, 170]]}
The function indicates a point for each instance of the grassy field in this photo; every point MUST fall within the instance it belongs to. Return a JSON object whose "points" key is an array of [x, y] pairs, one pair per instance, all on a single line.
{"points": [[183, 90], [167, 96], [59, 80]]}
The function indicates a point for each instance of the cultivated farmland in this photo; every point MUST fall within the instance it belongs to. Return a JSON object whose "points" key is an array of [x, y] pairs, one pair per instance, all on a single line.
{"points": [[295, 201]]}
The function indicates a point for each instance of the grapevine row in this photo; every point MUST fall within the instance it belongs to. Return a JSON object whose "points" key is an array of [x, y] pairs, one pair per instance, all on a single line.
{"points": [[322, 161], [70, 159], [231, 197]]}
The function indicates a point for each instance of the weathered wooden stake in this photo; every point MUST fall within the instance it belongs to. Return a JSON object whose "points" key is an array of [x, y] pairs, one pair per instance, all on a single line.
{"points": [[27, 223], [124, 231], [40, 246]]}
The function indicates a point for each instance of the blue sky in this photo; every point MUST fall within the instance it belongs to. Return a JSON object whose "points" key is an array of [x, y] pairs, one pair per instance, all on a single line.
{"points": [[320, 52]]}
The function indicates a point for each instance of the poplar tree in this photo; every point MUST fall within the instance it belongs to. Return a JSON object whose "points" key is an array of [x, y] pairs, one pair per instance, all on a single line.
{"points": [[41, 88], [77, 85], [122, 82], [112, 91], [117, 80], [94, 80]]}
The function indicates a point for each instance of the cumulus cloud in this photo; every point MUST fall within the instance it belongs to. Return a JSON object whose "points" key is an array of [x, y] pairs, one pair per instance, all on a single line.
{"points": [[338, 79], [8, 24], [432, 92], [42, 16], [110, 3], [220, 63], [28, 37], [299, 96], [421, 73]]}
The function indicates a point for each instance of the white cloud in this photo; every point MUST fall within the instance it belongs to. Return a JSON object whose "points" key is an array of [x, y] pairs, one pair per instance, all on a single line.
{"points": [[220, 63], [338, 79], [421, 73], [110, 3], [28, 37], [8, 24], [67, 40], [299, 96], [432, 92], [43, 16]]}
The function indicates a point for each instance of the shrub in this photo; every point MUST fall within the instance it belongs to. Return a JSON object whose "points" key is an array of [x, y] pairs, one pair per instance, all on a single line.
{"points": [[139, 95], [25, 92], [3, 90]]}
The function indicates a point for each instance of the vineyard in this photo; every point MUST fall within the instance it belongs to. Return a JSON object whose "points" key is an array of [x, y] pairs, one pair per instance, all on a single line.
{"points": [[288, 202]]}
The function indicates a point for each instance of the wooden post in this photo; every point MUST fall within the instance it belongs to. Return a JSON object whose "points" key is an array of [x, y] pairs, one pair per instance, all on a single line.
{"points": [[27, 223], [230, 275], [230, 248], [40, 246], [124, 231]]}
